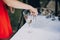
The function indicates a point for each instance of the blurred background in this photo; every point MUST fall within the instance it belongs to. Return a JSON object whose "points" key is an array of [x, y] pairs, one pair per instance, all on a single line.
{"points": [[17, 19]]}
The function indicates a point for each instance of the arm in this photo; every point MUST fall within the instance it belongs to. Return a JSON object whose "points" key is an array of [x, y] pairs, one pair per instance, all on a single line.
{"points": [[17, 4], [20, 5]]}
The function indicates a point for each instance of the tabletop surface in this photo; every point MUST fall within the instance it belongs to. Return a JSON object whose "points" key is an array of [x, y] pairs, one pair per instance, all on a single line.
{"points": [[40, 29]]}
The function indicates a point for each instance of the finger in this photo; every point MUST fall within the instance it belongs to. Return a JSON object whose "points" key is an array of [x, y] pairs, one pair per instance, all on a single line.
{"points": [[32, 13], [12, 10]]}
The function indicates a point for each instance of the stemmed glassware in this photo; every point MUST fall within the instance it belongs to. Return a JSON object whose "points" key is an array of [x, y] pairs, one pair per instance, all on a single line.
{"points": [[29, 19]]}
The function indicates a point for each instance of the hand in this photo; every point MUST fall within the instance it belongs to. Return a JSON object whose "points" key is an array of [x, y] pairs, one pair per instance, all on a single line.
{"points": [[33, 11], [12, 10]]}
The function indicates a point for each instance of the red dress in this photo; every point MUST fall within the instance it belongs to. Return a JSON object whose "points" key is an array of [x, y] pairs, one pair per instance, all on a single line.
{"points": [[5, 26]]}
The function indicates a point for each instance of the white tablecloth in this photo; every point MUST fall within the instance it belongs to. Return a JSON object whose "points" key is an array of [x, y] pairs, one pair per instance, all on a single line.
{"points": [[39, 29]]}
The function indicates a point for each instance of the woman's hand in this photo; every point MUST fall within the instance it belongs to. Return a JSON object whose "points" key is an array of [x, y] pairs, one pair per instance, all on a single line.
{"points": [[33, 11], [12, 9]]}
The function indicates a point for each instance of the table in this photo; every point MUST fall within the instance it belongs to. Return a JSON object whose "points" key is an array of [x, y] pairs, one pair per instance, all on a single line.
{"points": [[39, 29]]}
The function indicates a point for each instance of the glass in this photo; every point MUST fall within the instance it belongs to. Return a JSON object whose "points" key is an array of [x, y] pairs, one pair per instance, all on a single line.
{"points": [[27, 17]]}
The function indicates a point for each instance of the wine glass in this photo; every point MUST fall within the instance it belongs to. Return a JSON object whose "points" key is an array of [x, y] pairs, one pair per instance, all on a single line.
{"points": [[28, 19]]}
